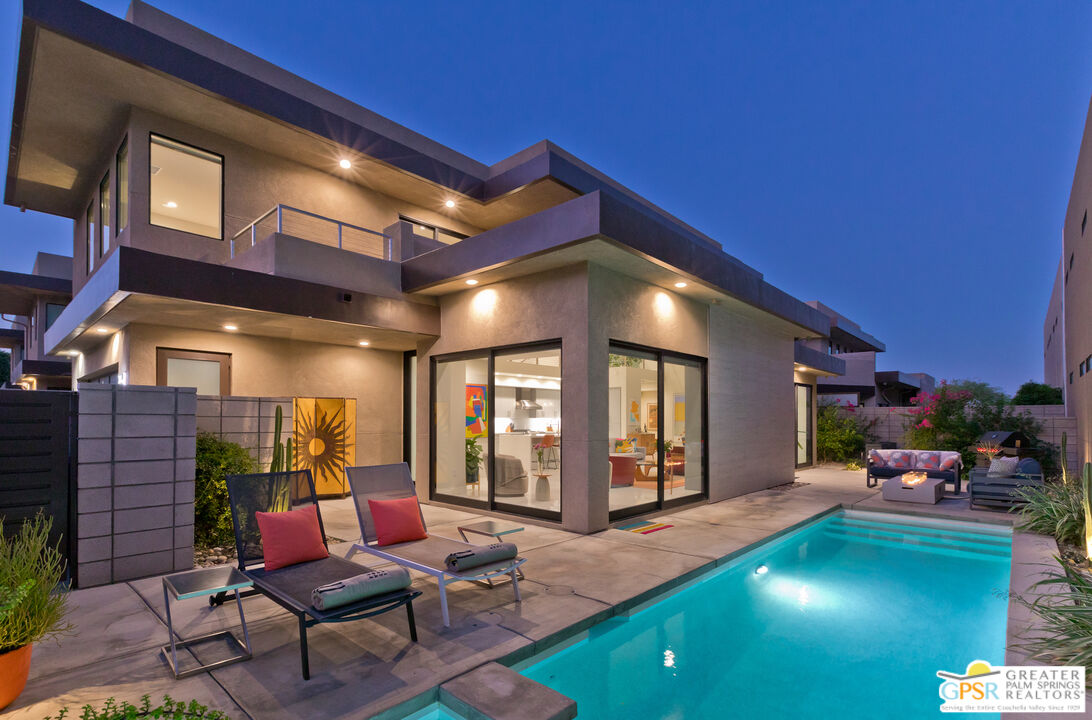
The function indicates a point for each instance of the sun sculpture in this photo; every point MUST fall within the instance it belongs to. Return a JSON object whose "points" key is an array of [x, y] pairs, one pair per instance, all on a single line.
{"points": [[325, 441]]}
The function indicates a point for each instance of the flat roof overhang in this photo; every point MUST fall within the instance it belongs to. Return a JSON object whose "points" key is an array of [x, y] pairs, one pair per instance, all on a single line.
{"points": [[18, 291], [853, 339], [11, 338], [820, 363], [80, 69], [864, 391], [599, 228], [43, 368], [897, 379], [136, 286]]}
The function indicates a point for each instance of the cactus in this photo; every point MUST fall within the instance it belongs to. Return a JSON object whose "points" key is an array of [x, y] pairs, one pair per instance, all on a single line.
{"points": [[1086, 487], [1065, 462], [282, 452]]}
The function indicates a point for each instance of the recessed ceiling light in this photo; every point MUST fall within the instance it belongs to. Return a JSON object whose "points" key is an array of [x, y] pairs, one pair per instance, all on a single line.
{"points": [[345, 164], [449, 204], [680, 284], [231, 328], [471, 281], [363, 343], [101, 331], [170, 204]]}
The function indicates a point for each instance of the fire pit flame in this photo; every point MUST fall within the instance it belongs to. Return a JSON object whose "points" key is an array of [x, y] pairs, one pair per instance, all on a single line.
{"points": [[913, 478]]}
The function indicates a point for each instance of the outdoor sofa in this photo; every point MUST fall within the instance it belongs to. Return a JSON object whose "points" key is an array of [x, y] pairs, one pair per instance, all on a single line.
{"points": [[946, 465]]}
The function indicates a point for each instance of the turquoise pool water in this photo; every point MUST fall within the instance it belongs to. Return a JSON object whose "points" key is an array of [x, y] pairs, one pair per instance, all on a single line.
{"points": [[435, 711], [852, 619]]}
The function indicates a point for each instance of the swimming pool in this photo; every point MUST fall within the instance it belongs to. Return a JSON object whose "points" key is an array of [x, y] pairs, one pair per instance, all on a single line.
{"points": [[848, 617]]}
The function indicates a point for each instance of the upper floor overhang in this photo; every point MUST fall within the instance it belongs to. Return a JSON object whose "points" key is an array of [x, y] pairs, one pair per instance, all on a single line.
{"points": [[600, 228], [18, 291], [853, 339], [81, 69], [897, 379], [137, 286], [813, 361]]}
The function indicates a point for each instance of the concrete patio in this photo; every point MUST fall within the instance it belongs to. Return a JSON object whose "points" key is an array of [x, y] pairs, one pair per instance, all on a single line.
{"points": [[365, 669]]}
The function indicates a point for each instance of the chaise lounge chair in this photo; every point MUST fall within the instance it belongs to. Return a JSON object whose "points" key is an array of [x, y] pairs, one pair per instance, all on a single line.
{"points": [[291, 586], [393, 482]]}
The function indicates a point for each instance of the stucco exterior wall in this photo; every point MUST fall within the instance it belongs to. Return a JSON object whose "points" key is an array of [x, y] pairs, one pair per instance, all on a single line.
{"points": [[285, 368], [1054, 336], [1077, 294], [750, 403], [545, 306]]}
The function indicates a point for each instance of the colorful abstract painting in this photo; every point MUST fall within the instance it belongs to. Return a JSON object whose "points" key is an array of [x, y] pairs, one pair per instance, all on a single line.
{"points": [[476, 410], [634, 413]]}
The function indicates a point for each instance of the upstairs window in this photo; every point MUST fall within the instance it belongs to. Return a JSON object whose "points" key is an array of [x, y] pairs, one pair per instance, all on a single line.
{"points": [[91, 237], [52, 312], [186, 188], [121, 172], [433, 232], [104, 214]]}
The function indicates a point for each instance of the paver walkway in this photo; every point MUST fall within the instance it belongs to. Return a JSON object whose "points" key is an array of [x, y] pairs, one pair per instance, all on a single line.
{"points": [[359, 669]]}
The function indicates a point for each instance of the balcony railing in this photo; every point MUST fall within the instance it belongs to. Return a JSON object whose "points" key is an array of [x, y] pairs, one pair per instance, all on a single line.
{"points": [[314, 228]]}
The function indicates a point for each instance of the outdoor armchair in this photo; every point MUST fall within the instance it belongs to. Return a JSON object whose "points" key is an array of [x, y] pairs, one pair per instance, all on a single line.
{"points": [[291, 586], [393, 482]]}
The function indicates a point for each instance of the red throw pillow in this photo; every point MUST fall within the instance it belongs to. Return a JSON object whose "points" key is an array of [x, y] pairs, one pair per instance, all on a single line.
{"points": [[397, 521], [291, 537]]}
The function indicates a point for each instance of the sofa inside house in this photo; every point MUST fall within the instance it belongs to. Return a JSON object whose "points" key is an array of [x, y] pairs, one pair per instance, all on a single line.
{"points": [[943, 464]]}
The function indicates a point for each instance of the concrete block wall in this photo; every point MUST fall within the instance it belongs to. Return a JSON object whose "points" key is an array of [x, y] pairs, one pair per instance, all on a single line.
{"points": [[135, 482], [248, 421]]}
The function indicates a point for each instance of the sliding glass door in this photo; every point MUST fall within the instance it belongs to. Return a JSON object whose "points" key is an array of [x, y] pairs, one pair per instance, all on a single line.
{"points": [[657, 429], [496, 429], [803, 425]]}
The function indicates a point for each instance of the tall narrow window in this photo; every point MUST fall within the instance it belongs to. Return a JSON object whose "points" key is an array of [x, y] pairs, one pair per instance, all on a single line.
{"points": [[186, 186], [104, 214], [90, 237], [121, 172], [803, 425]]}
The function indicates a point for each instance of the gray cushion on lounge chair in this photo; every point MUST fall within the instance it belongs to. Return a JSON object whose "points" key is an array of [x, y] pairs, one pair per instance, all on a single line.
{"points": [[369, 584], [296, 582], [479, 555]]}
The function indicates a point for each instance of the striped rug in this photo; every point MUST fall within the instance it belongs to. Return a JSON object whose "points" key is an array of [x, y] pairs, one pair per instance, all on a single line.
{"points": [[644, 527]]}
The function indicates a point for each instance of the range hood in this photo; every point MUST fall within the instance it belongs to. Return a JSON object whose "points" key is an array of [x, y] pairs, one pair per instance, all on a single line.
{"points": [[525, 400]]}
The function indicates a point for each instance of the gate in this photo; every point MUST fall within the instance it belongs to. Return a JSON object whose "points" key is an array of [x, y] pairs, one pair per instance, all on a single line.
{"points": [[38, 463]]}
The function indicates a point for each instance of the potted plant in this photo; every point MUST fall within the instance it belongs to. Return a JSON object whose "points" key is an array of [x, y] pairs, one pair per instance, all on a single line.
{"points": [[473, 460], [32, 603]]}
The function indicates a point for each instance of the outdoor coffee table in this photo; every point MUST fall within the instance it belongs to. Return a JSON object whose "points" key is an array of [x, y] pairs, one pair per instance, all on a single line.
{"points": [[201, 583], [927, 491], [495, 530]]}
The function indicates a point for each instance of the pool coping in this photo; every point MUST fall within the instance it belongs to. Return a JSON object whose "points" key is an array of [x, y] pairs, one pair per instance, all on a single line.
{"points": [[1028, 552]]}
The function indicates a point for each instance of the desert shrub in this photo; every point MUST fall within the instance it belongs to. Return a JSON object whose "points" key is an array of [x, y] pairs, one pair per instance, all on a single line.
{"points": [[216, 459], [1064, 633], [840, 435], [169, 708], [1033, 393], [32, 603], [1054, 509]]}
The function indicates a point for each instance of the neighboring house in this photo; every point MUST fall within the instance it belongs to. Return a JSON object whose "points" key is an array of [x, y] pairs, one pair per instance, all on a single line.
{"points": [[30, 304], [861, 383], [1072, 299], [451, 310], [1054, 336]]}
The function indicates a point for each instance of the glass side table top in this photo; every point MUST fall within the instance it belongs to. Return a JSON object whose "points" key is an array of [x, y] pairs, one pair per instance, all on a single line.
{"points": [[205, 581], [492, 527]]}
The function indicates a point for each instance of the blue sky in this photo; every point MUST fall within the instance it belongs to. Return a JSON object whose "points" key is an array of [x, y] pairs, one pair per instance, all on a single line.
{"points": [[908, 163]]}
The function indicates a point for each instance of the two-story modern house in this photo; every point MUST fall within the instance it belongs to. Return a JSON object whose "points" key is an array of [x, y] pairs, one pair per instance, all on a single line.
{"points": [[29, 305], [531, 336]]}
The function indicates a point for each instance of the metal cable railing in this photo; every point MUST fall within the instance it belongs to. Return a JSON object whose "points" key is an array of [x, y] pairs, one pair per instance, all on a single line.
{"points": [[314, 228]]}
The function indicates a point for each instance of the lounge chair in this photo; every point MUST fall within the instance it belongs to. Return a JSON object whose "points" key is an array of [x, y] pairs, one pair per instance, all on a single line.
{"points": [[393, 482], [291, 586]]}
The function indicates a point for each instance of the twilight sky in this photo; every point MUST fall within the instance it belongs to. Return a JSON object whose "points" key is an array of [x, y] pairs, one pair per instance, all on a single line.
{"points": [[906, 163]]}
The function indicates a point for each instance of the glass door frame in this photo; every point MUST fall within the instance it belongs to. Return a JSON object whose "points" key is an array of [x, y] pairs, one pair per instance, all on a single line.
{"points": [[810, 432], [661, 356], [490, 503]]}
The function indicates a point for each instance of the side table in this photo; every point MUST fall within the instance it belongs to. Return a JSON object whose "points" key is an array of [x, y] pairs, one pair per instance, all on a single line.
{"points": [[200, 583]]}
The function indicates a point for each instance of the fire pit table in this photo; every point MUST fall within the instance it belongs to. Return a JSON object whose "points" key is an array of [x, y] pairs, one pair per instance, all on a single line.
{"points": [[914, 487]]}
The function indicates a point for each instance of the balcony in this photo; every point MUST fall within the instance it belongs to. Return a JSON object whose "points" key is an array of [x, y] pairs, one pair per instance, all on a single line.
{"points": [[313, 228]]}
